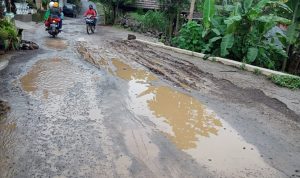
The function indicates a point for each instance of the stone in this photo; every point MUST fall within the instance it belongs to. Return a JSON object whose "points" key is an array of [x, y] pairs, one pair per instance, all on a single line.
{"points": [[131, 37]]}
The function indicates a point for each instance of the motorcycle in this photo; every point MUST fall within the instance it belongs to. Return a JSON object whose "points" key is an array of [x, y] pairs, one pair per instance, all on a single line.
{"points": [[90, 24], [54, 26]]}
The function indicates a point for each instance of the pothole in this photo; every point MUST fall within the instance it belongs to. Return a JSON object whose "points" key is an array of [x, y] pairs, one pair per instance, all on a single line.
{"points": [[58, 44], [53, 75]]}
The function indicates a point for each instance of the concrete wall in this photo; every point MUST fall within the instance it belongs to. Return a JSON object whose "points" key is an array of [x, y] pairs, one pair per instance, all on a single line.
{"points": [[23, 17]]}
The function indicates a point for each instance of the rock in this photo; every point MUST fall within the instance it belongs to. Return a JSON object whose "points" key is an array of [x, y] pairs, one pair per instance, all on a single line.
{"points": [[28, 45], [131, 37]]}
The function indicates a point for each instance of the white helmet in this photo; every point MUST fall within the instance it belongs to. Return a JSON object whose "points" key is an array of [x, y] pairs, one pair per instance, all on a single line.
{"points": [[51, 4]]}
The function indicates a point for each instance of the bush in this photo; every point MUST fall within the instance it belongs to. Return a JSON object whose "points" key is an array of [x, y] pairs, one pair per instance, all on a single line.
{"points": [[239, 33], [8, 35], [151, 21], [3, 35], [155, 20], [190, 37]]}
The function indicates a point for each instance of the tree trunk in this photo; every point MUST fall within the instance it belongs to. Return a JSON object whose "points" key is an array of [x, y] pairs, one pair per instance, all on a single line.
{"points": [[294, 66], [171, 27], [116, 13], [1, 9], [39, 4], [177, 22], [289, 47], [192, 8]]}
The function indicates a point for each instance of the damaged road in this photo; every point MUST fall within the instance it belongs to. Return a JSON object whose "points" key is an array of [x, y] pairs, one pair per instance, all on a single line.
{"points": [[100, 106]]}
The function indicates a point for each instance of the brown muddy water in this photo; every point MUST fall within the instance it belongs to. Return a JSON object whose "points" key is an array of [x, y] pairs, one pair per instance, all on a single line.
{"points": [[126, 72], [55, 43], [191, 126], [50, 76], [7, 142]]}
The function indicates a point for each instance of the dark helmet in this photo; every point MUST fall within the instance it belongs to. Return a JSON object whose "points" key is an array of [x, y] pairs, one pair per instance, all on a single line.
{"points": [[91, 6]]}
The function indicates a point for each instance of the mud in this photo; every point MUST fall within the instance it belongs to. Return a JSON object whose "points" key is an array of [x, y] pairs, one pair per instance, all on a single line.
{"points": [[4, 109], [199, 132], [108, 108], [188, 123], [184, 73], [58, 44], [50, 76], [126, 72]]}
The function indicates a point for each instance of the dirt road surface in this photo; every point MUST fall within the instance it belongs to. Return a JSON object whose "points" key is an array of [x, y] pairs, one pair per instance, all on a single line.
{"points": [[100, 106]]}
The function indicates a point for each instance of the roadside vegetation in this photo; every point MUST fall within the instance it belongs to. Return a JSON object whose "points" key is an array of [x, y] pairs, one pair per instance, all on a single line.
{"points": [[264, 33], [8, 35], [286, 81], [242, 31]]}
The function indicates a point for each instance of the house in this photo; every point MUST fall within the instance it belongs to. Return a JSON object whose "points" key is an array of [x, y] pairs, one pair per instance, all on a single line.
{"points": [[146, 4]]}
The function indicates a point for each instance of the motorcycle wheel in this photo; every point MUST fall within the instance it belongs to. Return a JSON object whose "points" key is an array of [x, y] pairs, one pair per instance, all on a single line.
{"points": [[88, 29], [93, 29]]}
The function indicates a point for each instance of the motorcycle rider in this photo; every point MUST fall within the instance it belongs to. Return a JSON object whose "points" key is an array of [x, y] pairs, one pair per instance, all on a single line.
{"points": [[92, 12], [53, 12]]}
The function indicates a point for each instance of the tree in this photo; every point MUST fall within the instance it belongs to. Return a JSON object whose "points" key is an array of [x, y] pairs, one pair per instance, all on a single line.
{"points": [[1, 9], [192, 8], [173, 8], [293, 34], [111, 8]]}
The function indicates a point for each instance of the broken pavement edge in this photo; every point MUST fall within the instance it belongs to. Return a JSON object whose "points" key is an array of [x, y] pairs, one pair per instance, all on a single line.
{"points": [[228, 62]]}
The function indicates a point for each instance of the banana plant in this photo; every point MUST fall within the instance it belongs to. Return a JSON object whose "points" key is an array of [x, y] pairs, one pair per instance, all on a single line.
{"points": [[293, 32], [246, 31]]}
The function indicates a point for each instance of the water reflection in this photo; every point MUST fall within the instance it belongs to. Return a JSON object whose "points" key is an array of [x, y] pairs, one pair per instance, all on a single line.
{"points": [[126, 72], [186, 115]]}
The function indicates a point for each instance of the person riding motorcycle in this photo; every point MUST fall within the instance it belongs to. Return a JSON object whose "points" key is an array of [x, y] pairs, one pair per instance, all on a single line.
{"points": [[91, 12], [53, 12]]}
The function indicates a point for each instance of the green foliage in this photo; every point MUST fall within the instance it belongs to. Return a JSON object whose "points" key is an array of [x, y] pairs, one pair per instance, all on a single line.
{"points": [[239, 32], [190, 37], [8, 35], [137, 16], [3, 34], [152, 20], [286, 81], [243, 67], [155, 20], [227, 43], [111, 8], [209, 12], [251, 54], [31, 4], [257, 71]]}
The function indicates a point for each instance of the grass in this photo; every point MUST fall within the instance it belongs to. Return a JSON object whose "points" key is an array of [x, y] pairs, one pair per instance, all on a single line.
{"points": [[243, 67], [286, 81], [257, 71]]}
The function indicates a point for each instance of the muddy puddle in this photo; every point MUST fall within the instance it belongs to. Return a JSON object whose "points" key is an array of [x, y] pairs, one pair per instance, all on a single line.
{"points": [[57, 44], [50, 76], [126, 72], [7, 144], [192, 127]]}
